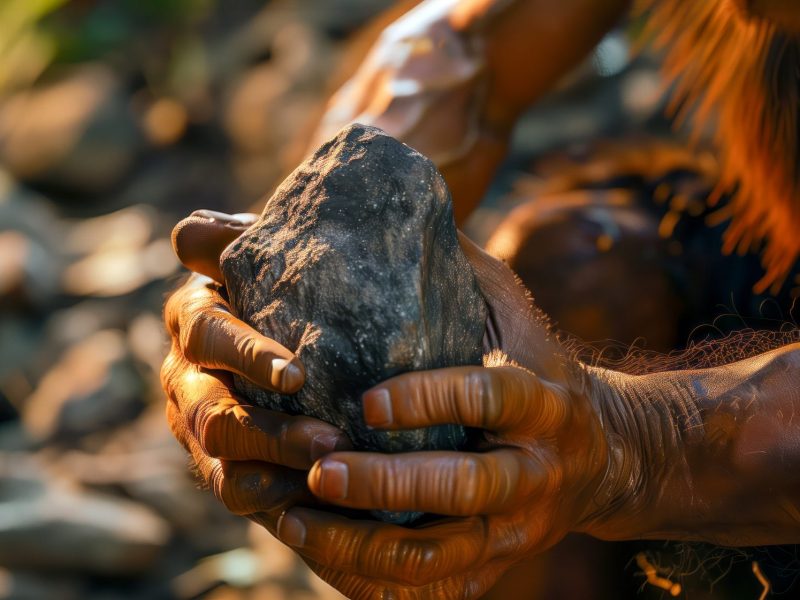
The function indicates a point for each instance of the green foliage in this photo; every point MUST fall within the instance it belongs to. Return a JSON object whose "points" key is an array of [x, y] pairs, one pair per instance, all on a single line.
{"points": [[35, 34], [25, 50]]}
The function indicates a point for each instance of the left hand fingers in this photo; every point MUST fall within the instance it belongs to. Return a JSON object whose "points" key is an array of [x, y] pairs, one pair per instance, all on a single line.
{"points": [[207, 334], [199, 239], [497, 399], [443, 483], [411, 557], [247, 487]]}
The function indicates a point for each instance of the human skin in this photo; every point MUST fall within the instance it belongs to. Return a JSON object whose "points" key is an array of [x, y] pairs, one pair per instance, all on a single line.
{"points": [[624, 448], [697, 455], [451, 77]]}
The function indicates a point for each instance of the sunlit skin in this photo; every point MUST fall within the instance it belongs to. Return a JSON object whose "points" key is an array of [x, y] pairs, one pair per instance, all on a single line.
{"points": [[690, 455], [706, 455], [451, 78]]}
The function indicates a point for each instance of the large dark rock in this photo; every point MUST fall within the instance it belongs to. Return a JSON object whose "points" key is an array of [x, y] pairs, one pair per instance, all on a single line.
{"points": [[355, 265]]}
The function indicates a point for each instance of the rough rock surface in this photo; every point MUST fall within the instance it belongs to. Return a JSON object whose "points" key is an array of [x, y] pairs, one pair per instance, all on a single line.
{"points": [[355, 265]]}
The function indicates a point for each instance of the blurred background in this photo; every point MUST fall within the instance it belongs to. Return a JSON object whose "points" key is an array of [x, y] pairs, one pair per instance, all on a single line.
{"points": [[119, 117]]}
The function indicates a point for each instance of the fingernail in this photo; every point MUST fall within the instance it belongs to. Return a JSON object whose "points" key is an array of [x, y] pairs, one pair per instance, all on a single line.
{"points": [[333, 480], [247, 219], [234, 221], [378, 408], [291, 530], [285, 375], [242, 416]]}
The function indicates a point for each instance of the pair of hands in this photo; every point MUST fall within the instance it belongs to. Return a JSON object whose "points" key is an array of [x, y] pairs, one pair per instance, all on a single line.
{"points": [[543, 452], [540, 464]]}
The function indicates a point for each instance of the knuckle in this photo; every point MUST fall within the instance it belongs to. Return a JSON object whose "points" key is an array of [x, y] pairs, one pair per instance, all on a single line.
{"points": [[548, 407], [511, 538], [253, 491], [195, 415], [479, 397], [344, 549], [169, 373], [421, 561], [231, 499], [194, 335], [529, 481], [214, 430], [560, 405], [175, 426], [176, 304], [548, 475], [223, 490], [172, 312], [470, 480]]}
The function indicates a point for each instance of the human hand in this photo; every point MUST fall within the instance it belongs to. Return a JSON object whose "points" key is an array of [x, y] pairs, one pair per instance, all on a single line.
{"points": [[541, 462], [251, 458], [419, 82], [424, 82], [514, 325], [535, 477]]}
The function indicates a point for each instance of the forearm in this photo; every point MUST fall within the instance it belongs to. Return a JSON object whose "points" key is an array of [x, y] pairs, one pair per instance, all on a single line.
{"points": [[527, 46], [450, 78], [711, 454]]}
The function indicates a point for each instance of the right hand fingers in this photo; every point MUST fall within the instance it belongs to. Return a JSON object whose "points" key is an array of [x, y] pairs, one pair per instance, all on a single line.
{"points": [[387, 552], [499, 399], [405, 560], [199, 239], [463, 586], [458, 484], [208, 335], [212, 424]]}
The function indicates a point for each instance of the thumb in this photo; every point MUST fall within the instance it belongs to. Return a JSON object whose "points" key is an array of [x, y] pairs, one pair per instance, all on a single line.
{"points": [[199, 239]]}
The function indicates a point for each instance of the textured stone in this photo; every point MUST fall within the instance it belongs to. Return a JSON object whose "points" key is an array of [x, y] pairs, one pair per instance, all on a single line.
{"points": [[355, 265]]}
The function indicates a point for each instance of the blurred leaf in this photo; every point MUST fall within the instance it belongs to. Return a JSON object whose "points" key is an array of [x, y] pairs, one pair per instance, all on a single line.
{"points": [[18, 16], [25, 51]]}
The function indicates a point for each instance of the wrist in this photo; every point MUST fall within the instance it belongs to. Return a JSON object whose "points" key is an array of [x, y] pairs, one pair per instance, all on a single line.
{"points": [[699, 454], [644, 420]]}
